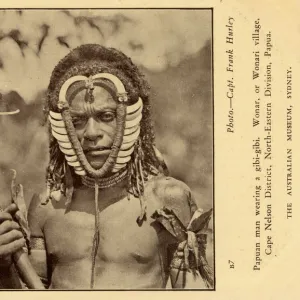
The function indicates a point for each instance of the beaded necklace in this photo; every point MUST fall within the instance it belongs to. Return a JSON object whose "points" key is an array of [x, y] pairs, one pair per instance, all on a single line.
{"points": [[103, 183]]}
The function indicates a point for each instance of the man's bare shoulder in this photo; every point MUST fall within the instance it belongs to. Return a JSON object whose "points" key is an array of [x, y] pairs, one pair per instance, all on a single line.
{"points": [[173, 194], [38, 212]]}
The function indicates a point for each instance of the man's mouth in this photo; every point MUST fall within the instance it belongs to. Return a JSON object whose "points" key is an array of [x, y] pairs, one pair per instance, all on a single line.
{"points": [[95, 151]]}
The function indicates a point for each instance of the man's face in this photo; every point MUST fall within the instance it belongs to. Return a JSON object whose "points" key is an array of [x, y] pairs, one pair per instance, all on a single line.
{"points": [[95, 124]]}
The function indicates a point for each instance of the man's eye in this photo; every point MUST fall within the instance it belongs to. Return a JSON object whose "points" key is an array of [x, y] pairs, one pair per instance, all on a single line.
{"points": [[77, 121], [107, 116]]}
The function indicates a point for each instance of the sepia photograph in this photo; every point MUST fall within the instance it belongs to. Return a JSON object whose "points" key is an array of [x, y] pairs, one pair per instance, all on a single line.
{"points": [[107, 149]]}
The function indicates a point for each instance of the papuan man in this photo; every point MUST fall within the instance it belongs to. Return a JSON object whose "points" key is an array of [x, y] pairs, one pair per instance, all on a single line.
{"points": [[111, 218]]}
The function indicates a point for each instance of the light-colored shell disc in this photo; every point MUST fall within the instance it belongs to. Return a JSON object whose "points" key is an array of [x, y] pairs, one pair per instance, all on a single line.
{"points": [[74, 164], [60, 137], [131, 130], [134, 122], [67, 146], [72, 158], [127, 146], [130, 117], [56, 116], [59, 130], [78, 168], [80, 173], [122, 160], [56, 123], [131, 137], [60, 133], [67, 151], [125, 153], [132, 108], [119, 166]]}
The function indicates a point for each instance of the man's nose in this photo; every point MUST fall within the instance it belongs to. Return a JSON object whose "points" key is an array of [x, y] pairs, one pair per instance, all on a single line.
{"points": [[92, 130]]}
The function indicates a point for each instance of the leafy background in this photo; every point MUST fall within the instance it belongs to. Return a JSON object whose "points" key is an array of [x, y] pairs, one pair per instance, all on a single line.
{"points": [[172, 48]]}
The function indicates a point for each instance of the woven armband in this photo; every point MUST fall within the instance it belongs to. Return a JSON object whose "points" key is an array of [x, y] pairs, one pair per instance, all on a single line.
{"points": [[37, 243]]}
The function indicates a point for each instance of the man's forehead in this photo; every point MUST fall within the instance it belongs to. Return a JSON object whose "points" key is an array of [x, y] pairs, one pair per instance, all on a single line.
{"points": [[102, 98]]}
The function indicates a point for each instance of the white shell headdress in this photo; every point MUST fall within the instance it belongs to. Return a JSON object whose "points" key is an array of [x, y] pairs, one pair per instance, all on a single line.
{"points": [[60, 127]]}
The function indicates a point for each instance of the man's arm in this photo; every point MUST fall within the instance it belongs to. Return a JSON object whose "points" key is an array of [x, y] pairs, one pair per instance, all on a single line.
{"points": [[184, 277], [37, 215], [11, 240], [188, 267]]}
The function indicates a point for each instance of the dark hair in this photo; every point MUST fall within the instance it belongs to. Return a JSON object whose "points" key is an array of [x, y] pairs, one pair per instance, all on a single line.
{"points": [[90, 59]]}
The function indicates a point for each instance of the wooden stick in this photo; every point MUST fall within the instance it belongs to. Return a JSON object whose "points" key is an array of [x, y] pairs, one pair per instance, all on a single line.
{"points": [[26, 271], [20, 258]]}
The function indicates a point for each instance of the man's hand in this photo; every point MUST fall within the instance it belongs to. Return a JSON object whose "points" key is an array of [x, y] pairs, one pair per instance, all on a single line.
{"points": [[11, 238]]}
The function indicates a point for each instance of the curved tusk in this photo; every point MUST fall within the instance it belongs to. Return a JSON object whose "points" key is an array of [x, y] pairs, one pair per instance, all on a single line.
{"points": [[115, 80], [56, 123], [125, 153], [59, 130], [131, 130], [132, 137], [67, 151], [134, 122], [80, 173], [72, 158], [119, 166], [123, 160], [134, 115], [74, 164], [55, 115], [66, 85], [127, 146], [130, 117], [132, 108], [78, 168], [61, 137], [66, 146]]}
